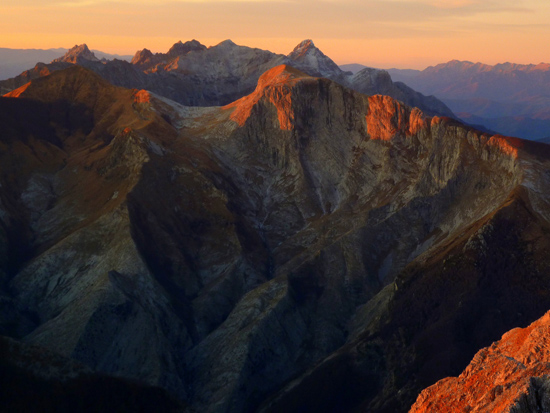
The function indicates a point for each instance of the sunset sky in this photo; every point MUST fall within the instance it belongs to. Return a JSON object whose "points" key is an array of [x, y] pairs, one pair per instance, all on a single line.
{"points": [[378, 33]]}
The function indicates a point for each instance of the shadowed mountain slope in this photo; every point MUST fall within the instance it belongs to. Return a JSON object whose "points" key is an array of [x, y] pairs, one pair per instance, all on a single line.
{"points": [[33, 379], [305, 247]]}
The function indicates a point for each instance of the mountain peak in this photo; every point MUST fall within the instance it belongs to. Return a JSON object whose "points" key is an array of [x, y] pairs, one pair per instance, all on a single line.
{"points": [[312, 60], [279, 74], [303, 48], [141, 56], [227, 43], [275, 86], [77, 53], [180, 48]]}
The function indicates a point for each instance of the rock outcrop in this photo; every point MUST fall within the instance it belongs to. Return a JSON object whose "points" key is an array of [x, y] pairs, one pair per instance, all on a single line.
{"points": [[306, 247], [510, 375]]}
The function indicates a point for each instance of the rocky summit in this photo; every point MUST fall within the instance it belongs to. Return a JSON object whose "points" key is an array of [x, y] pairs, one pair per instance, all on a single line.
{"points": [[77, 54], [303, 248], [313, 61]]}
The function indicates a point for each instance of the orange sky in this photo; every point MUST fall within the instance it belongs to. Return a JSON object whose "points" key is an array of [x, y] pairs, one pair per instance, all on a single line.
{"points": [[379, 33]]}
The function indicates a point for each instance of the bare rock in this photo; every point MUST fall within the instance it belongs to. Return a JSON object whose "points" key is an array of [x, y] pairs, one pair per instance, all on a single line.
{"points": [[77, 54], [510, 375]]}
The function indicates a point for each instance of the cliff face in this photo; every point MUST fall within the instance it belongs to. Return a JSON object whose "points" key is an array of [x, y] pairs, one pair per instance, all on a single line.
{"points": [[294, 249]]}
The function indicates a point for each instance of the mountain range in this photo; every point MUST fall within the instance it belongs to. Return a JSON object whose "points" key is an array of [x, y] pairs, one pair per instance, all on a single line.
{"points": [[303, 247], [15, 61], [193, 75], [505, 98], [509, 98]]}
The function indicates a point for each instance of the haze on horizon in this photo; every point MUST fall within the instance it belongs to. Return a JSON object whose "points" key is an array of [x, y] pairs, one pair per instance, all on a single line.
{"points": [[378, 33]]}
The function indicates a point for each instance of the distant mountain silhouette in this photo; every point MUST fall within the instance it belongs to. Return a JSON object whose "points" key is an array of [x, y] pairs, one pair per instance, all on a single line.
{"points": [[15, 61], [512, 99]]}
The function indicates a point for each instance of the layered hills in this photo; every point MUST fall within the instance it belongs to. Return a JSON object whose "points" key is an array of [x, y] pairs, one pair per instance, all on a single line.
{"points": [[509, 98], [305, 247], [15, 61]]}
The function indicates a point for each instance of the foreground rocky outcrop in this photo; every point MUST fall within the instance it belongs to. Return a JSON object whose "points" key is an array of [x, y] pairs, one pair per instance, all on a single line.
{"points": [[306, 247], [510, 375]]}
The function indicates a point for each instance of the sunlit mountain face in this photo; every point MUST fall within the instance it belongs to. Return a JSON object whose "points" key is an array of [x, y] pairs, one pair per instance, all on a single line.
{"points": [[226, 229]]}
